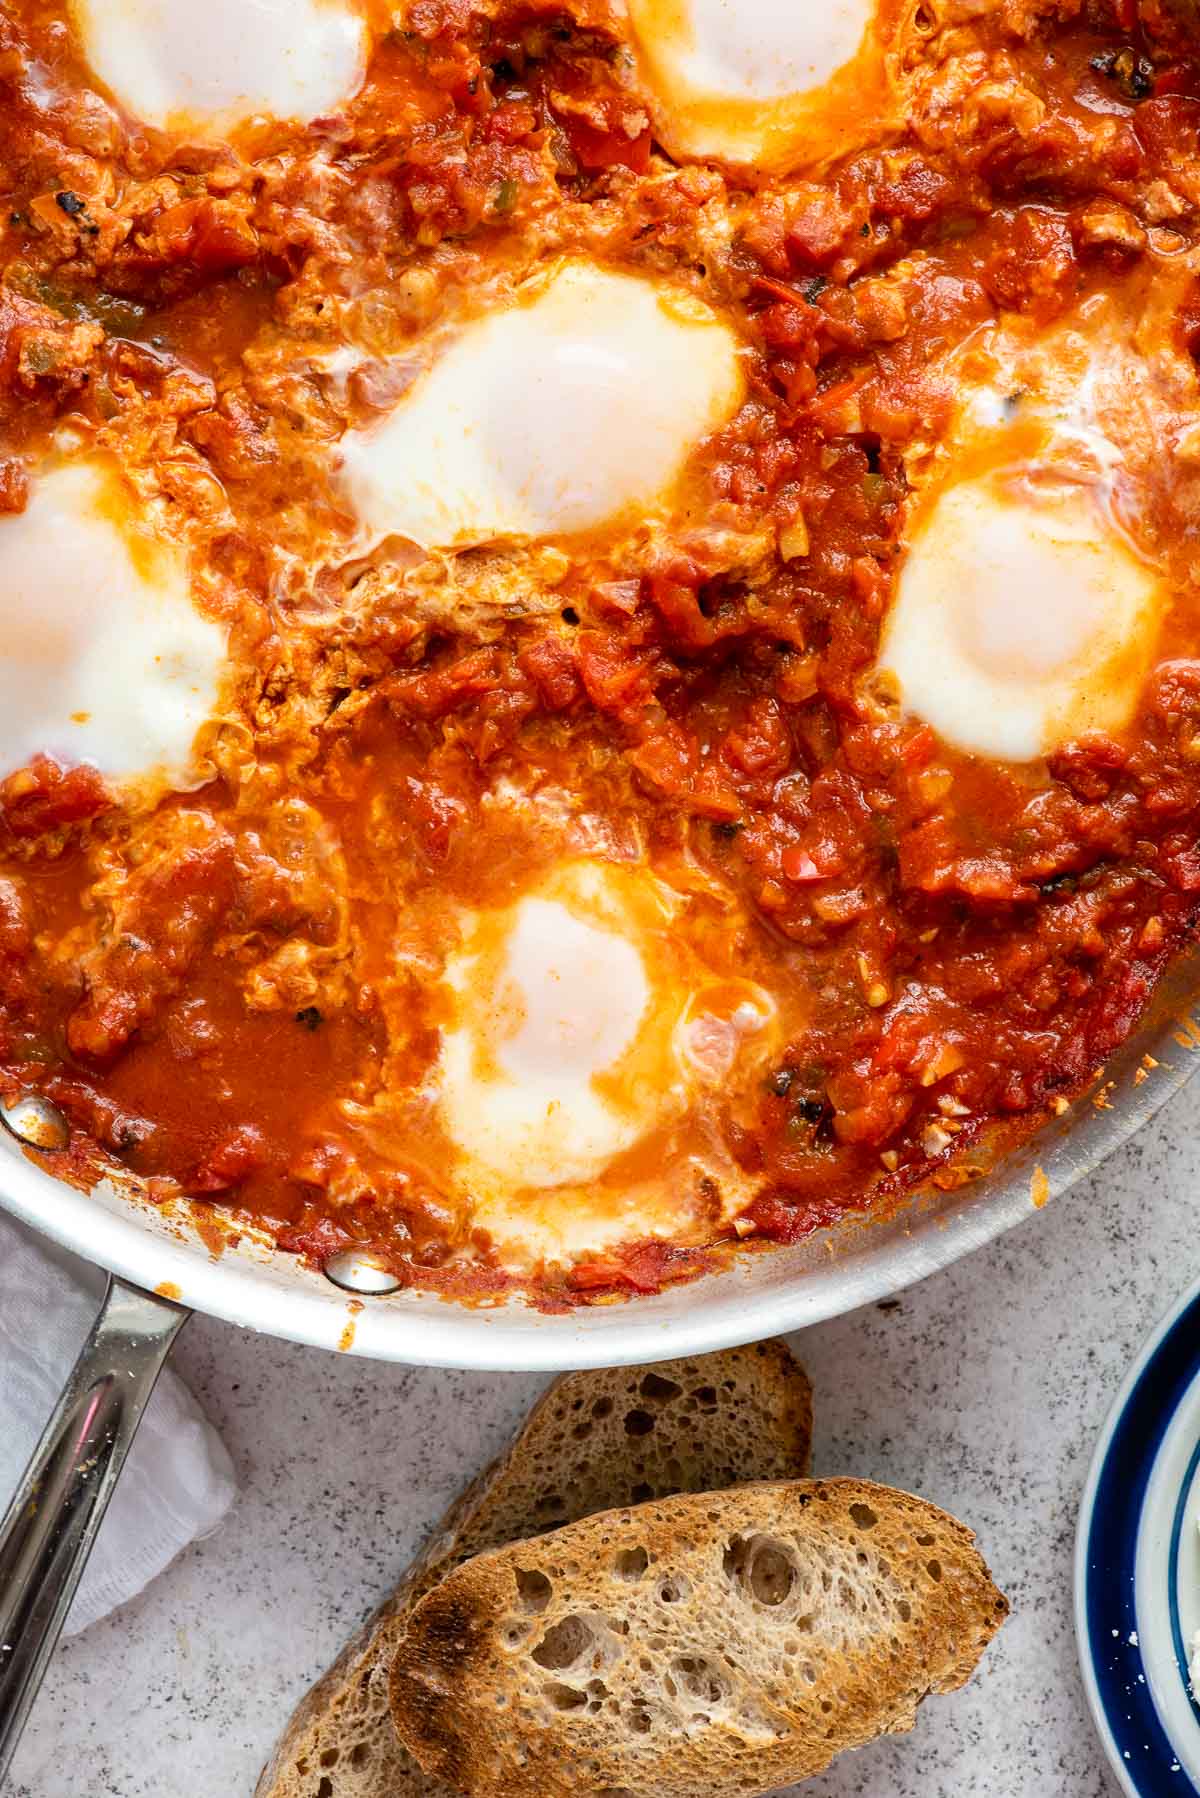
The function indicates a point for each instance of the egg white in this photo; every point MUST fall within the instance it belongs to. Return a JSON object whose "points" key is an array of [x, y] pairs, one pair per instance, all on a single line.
{"points": [[1027, 608], [582, 399], [107, 661], [1021, 620], [769, 83], [200, 70], [571, 1000], [585, 1033]]}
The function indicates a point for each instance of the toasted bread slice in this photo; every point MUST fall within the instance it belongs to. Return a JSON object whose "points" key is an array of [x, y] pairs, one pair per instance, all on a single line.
{"points": [[593, 1441], [698, 1646]]}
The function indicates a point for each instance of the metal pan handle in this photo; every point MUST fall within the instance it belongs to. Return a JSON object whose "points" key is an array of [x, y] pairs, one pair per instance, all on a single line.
{"points": [[49, 1528]]}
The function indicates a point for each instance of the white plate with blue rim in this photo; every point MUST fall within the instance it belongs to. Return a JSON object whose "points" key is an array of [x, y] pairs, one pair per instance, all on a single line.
{"points": [[1137, 1565]]}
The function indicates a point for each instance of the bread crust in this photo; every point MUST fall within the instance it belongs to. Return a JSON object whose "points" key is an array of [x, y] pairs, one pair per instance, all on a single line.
{"points": [[693, 1647], [697, 1422]]}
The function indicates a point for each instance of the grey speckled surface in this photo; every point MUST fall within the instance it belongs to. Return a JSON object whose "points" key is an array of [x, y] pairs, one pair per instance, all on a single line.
{"points": [[983, 1390]]}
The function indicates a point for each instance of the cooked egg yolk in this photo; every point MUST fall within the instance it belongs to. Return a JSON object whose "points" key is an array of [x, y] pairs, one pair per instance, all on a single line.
{"points": [[558, 413], [523, 1084], [197, 70], [1026, 612], [1022, 619], [761, 82], [107, 660], [583, 1026]]}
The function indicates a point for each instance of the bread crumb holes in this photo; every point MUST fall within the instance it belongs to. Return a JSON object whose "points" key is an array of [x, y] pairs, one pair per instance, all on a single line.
{"points": [[533, 1590], [659, 1390], [761, 1568], [700, 1681], [563, 1645], [564, 1698]]}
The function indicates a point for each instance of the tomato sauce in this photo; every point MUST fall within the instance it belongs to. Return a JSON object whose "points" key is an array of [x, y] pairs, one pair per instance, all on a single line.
{"points": [[215, 988]]}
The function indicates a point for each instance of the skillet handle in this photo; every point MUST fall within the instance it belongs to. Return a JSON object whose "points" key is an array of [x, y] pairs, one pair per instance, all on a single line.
{"points": [[49, 1527]]}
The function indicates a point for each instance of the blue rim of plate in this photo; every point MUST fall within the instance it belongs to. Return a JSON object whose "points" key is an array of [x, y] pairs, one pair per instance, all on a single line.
{"points": [[1181, 1653], [1114, 1675]]}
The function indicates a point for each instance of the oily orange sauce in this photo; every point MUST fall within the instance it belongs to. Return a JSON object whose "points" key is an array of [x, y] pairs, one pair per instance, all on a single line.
{"points": [[237, 990]]}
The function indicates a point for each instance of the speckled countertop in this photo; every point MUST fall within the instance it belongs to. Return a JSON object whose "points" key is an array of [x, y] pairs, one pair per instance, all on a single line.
{"points": [[983, 1389]]}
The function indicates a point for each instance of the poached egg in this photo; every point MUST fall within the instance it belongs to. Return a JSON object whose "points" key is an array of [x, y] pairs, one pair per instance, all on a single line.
{"points": [[1028, 609], [578, 402], [585, 1030], [769, 83], [107, 661], [202, 70]]}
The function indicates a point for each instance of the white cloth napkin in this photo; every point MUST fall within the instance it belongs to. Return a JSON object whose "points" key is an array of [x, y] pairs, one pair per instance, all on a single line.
{"points": [[178, 1482]]}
